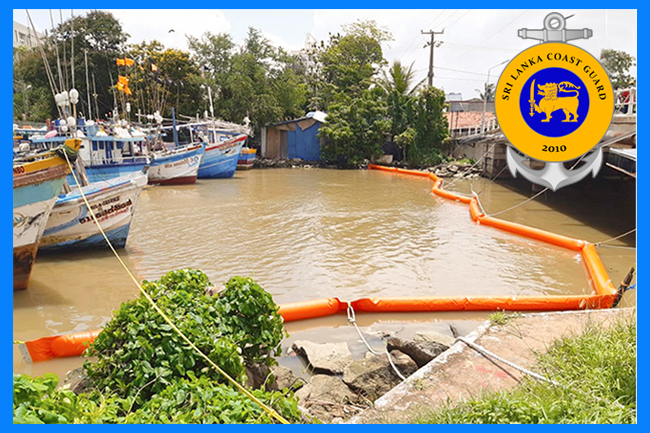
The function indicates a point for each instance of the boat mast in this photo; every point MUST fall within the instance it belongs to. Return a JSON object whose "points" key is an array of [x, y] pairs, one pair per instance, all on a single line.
{"points": [[90, 110]]}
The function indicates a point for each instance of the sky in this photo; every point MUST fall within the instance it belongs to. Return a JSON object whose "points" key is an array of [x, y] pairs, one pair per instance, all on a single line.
{"points": [[474, 43]]}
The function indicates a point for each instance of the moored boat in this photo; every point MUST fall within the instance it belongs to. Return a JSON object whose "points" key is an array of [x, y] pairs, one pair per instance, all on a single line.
{"points": [[104, 156], [176, 167], [246, 158], [220, 159], [38, 180], [71, 227]]}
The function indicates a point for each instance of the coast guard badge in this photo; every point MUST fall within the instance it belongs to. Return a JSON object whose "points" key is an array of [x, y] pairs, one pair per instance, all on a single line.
{"points": [[554, 103]]}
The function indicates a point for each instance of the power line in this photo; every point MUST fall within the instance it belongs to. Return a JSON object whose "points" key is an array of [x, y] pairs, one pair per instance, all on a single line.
{"points": [[491, 36], [460, 17]]}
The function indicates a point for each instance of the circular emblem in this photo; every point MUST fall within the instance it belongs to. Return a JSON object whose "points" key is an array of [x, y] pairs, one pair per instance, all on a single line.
{"points": [[554, 102]]}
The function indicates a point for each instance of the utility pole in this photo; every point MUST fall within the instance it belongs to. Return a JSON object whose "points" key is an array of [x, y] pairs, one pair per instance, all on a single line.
{"points": [[431, 45]]}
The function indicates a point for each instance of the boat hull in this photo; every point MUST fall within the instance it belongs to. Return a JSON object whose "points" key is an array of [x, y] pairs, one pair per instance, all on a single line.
{"points": [[34, 195], [178, 168], [220, 160], [246, 158], [71, 227], [103, 172]]}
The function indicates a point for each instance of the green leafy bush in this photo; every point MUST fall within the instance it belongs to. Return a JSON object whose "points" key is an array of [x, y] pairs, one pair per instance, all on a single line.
{"points": [[138, 354], [202, 401], [39, 401], [185, 401]]}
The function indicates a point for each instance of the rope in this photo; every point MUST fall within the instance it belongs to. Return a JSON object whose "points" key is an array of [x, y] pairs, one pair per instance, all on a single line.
{"points": [[617, 237], [617, 246], [352, 319], [520, 204], [267, 409], [473, 165]]}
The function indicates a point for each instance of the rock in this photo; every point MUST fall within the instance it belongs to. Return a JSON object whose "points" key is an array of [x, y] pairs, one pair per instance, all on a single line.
{"points": [[420, 351], [257, 374], [77, 380], [373, 376], [283, 378], [327, 398], [329, 358], [404, 363], [434, 337]]}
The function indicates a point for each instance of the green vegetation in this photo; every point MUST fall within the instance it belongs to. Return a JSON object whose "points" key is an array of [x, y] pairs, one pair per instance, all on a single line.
{"points": [[346, 76], [618, 64], [597, 373], [501, 317], [143, 372]]}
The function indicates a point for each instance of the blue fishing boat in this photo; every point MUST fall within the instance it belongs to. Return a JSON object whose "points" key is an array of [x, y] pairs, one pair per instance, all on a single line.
{"points": [[220, 159], [105, 156]]}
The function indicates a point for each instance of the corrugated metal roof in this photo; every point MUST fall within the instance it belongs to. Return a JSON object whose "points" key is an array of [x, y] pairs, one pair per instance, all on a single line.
{"points": [[316, 115]]}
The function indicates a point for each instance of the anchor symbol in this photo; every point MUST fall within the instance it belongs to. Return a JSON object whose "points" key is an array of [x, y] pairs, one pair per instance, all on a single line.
{"points": [[554, 175]]}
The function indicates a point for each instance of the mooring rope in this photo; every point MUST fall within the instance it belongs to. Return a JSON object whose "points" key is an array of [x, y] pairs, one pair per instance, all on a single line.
{"points": [[266, 408], [472, 166], [352, 319], [598, 244]]}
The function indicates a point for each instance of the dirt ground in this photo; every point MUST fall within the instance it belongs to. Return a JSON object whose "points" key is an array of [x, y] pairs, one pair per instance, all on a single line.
{"points": [[462, 372]]}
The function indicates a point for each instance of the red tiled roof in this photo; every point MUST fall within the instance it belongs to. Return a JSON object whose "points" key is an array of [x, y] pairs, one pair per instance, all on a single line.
{"points": [[467, 119]]}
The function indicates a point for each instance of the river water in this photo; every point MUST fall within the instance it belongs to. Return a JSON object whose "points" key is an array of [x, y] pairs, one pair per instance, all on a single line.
{"points": [[313, 233]]}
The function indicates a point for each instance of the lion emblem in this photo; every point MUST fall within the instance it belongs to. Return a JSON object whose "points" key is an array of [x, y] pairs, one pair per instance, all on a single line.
{"points": [[552, 102]]}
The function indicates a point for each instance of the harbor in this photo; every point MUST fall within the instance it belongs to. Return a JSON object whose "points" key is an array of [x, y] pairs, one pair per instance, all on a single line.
{"points": [[241, 234]]}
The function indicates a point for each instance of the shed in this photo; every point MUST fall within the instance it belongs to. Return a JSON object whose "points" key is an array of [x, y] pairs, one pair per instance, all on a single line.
{"points": [[297, 138]]}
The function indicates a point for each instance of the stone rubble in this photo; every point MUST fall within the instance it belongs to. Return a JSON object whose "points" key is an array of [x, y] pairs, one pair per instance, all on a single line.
{"points": [[341, 387]]}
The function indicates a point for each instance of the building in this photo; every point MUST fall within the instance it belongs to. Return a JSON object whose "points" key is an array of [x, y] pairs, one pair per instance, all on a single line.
{"points": [[25, 36], [297, 138]]}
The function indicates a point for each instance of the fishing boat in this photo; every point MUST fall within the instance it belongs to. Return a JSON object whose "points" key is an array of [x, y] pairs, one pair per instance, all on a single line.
{"points": [[105, 155], [220, 158], [246, 158], [177, 166], [38, 180], [71, 226]]}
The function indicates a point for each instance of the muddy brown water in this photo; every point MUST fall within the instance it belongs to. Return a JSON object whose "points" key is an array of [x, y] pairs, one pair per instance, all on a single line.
{"points": [[313, 233]]}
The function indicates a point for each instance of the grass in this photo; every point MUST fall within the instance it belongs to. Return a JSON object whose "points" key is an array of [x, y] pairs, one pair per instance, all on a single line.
{"points": [[597, 371], [502, 317]]}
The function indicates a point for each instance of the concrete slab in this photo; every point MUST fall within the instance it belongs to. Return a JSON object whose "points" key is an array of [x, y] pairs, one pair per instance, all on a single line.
{"points": [[463, 373]]}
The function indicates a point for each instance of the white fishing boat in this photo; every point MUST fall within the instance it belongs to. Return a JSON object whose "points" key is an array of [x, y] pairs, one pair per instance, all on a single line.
{"points": [[37, 180], [71, 226], [177, 166]]}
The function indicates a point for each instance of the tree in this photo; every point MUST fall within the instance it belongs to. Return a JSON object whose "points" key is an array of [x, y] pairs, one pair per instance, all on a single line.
{"points": [[399, 79], [489, 90], [99, 34], [355, 129], [346, 65], [617, 64], [430, 127]]}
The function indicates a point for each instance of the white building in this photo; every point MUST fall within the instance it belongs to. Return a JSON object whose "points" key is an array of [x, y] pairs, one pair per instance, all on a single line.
{"points": [[24, 35]]}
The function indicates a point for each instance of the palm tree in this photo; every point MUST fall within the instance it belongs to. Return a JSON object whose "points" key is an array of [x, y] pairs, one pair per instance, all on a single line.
{"points": [[489, 91], [399, 79]]}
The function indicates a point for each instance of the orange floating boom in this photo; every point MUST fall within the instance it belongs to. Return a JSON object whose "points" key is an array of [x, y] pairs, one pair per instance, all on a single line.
{"points": [[311, 309]]}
